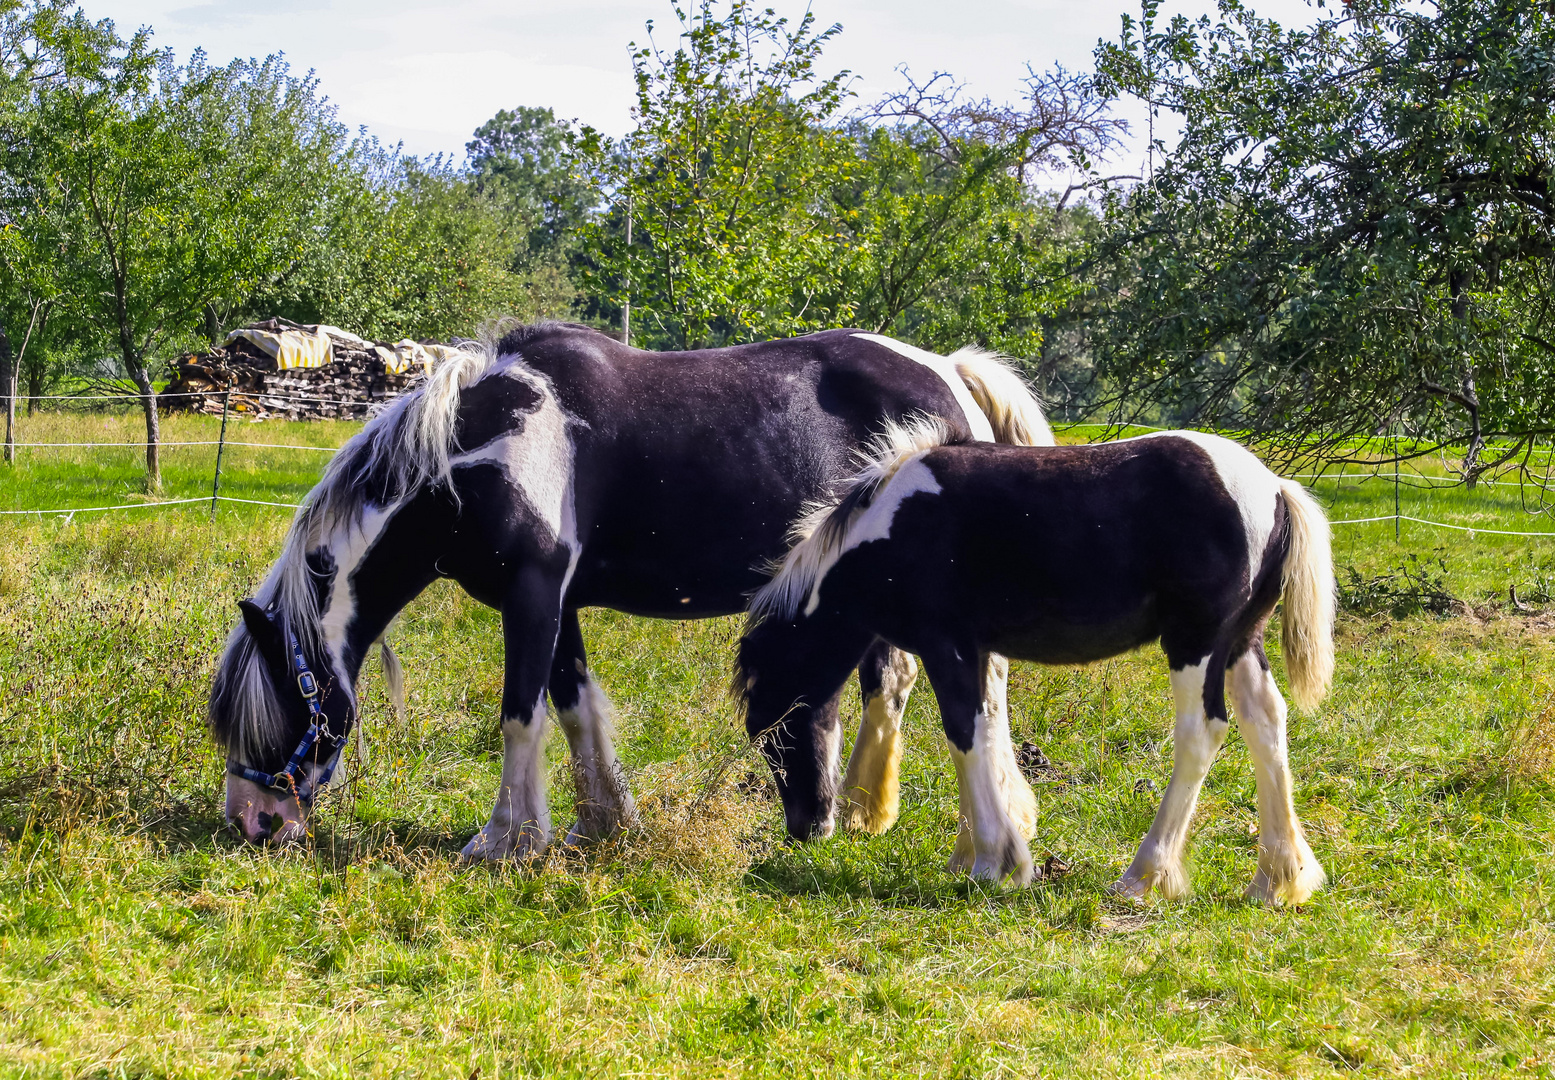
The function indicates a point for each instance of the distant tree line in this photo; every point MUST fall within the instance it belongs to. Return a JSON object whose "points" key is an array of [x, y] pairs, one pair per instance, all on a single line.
{"points": [[1352, 236]]}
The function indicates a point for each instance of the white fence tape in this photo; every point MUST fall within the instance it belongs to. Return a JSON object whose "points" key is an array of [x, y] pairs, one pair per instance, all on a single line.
{"points": [[186, 442], [20, 398], [1470, 529], [147, 506], [68, 512]]}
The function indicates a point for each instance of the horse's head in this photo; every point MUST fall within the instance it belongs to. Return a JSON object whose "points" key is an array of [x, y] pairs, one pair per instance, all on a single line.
{"points": [[789, 695], [282, 713]]}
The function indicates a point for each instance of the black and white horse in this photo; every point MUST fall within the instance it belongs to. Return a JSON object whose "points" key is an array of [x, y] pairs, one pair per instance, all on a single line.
{"points": [[1062, 555], [560, 469]]}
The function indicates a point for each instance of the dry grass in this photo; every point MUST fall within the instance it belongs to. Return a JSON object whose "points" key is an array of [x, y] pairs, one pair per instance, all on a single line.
{"points": [[1530, 743]]}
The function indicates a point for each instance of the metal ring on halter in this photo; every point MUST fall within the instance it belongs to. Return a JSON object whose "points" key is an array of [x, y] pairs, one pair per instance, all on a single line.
{"points": [[291, 778]]}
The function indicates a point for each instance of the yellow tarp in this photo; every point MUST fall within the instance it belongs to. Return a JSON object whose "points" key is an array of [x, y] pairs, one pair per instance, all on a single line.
{"points": [[311, 347], [291, 348], [403, 355]]}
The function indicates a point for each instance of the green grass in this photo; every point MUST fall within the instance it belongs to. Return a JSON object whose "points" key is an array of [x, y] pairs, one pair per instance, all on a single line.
{"points": [[137, 939]]}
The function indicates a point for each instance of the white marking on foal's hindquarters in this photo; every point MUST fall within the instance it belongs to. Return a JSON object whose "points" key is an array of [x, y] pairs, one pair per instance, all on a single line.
{"points": [[1197, 739], [1249, 483], [520, 824], [1288, 872], [945, 368], [1019, 800], [604, 800], [872, 791], [998, 848]]}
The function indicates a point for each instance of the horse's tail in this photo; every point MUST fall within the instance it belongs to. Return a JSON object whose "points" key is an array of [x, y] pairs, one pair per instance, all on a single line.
{"points": [[820, 535], [1307, 619], [1013, 411]]}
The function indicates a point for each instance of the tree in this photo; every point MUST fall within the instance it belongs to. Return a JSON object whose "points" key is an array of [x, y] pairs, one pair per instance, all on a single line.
{"points": [[945, 242], [1354, 232], [34, 37], [401, 247], [157, 190], [526, 161], [726, 177]]}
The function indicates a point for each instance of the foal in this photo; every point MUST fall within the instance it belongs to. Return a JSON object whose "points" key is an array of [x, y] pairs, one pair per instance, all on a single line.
{"points": [[1062, 555]]}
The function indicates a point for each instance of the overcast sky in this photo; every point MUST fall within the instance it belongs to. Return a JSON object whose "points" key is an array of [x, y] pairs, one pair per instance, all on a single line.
{"points": [[429, 74]]}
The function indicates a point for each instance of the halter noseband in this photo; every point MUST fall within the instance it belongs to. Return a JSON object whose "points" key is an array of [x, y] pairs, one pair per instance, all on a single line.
{"points": [[292, 779]]}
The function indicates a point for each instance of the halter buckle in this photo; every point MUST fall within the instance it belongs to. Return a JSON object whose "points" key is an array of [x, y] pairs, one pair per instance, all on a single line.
{"points": [[307, 684]]}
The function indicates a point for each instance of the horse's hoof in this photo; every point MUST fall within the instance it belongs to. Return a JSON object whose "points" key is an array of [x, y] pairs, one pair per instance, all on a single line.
{"points": [[1295, 890], [584, 833], [491, 847], [1019, 874], [1131, 889], [1010, 861]]}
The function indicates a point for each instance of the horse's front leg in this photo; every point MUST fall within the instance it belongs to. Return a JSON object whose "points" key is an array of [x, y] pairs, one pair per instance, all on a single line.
{"points": [[998, 847], [604, 799], [1016, 793], [520, 825]]}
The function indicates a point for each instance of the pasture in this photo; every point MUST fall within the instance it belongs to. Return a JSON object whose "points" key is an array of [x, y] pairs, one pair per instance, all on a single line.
{"points": [[138, 939]]}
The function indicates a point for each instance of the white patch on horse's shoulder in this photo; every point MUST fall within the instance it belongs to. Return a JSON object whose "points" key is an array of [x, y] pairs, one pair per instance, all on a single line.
{"points": [[942, 366], [537, 459], [874, 522], [1246, 479]]}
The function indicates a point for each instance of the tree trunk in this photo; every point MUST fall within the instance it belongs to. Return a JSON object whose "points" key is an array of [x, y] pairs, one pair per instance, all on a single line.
{"points": [[34, 386], [148, 405], [1476, 434]]}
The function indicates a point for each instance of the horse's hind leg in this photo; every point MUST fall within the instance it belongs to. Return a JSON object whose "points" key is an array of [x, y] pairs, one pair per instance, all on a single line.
{"points": [[604, 799], [1013, 788], [871, 791], [1288, 872], [520, 824], [1195, 742], [998, 847]]}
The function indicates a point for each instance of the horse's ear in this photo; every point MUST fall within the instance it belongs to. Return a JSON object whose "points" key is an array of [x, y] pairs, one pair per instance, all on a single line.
{"points": [[263, 630]]}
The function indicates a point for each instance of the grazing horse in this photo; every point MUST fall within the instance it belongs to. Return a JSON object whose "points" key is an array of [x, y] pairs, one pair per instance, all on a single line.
{"points": [[1062, 555], [561, 469]]}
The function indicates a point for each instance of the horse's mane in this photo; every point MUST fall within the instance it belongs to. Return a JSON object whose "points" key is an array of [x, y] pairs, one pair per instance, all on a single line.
{"points": [[820, 532], [402, 450]]}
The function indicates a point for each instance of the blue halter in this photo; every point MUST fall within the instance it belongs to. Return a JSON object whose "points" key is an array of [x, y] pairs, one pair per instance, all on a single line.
{"points": [[291, 778]]}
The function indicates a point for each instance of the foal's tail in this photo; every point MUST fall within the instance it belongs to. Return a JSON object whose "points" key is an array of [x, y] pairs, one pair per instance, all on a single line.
{"points": [[1013, 411], [1307, 619]]}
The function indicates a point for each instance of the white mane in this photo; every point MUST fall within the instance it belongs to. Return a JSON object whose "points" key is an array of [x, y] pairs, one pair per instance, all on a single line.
{"points": [[821, 531], [399, 452]]}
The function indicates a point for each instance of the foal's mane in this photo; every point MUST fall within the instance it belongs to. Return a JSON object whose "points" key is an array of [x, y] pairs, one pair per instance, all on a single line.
{"points": [[821, 530], [405, 448]]}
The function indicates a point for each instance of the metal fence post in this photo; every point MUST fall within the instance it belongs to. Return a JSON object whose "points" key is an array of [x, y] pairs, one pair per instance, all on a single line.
{"points": [[221, 445], [1395, 490]]}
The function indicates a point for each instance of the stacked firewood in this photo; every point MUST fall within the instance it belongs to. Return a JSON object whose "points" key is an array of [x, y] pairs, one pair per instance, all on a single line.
{"points": [[355, 386]]}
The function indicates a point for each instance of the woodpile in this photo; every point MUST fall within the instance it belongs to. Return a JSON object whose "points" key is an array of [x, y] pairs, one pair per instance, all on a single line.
{"points": [[354, 386]]}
